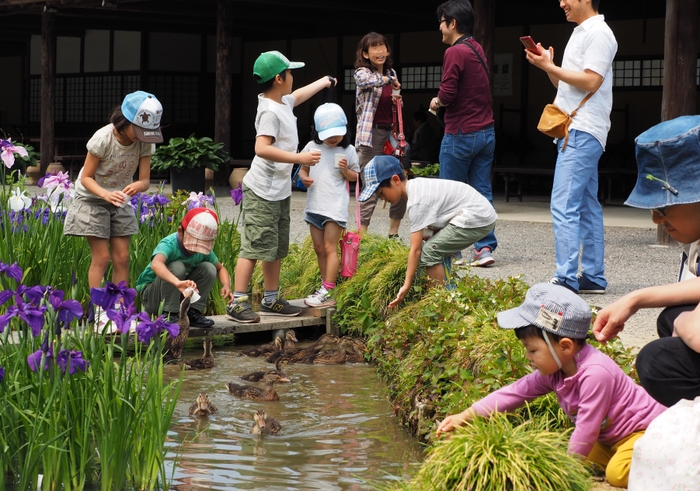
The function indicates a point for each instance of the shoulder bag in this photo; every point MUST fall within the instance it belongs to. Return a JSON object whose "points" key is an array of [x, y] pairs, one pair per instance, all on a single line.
{"points": [[555, 123], [350, 241]]}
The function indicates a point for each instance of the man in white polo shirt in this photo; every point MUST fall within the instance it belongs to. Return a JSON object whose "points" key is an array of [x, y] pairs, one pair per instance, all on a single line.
{"points": [[577, 215]]}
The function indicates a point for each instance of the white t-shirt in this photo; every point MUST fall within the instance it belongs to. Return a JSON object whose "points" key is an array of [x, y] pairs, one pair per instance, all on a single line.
{"points": [[118, 163], [328, 195], [437, 202], [270, 180], [592, 46]]}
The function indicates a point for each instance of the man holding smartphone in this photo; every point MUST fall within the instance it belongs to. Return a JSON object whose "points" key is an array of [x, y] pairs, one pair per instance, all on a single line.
{"points": [[577, 215], [467, 148]]}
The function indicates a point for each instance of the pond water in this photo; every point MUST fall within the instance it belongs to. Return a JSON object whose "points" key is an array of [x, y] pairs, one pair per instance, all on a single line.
{"points": [[339, 431]]}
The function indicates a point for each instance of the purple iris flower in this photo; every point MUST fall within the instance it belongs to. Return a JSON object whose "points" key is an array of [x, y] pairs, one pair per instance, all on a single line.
{"points": [[73, 360], [12, 271], [146, 328], [33, 294], [2, 373], [237, 194], [29, 313], [122, 317], [109, 295], [34, 360], [5, 295], [66, 310]]}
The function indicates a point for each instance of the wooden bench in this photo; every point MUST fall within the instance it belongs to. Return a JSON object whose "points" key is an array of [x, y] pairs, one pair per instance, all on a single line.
{"points": [[606, 178]]}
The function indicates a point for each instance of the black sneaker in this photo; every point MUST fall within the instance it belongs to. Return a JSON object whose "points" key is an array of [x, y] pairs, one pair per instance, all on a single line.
{"points": [[197, 319], [241, 311], [557, 281], [587, 286], [280, 307], [172, 317]]}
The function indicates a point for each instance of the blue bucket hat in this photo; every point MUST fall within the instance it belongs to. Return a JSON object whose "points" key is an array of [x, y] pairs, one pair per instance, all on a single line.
{"points": [[668, 163], [378, 169]]}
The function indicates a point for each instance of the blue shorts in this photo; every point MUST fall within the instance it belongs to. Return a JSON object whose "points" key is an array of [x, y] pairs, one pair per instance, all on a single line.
{"points": [[319, 221]]}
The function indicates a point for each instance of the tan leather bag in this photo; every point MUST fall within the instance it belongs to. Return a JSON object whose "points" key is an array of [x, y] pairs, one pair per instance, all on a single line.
{"points": [[555, 123]]}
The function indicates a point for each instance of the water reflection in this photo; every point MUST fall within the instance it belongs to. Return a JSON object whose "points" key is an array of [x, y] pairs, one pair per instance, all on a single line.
{"points": [[338, 431]]}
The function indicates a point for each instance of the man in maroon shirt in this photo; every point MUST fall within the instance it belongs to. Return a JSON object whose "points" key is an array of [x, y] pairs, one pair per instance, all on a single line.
{"points": [[466, 153]]}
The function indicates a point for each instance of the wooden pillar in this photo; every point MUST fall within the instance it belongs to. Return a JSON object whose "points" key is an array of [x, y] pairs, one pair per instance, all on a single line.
{"points": [[224, 69], [48, 80], [485, 28], [680, 56]]}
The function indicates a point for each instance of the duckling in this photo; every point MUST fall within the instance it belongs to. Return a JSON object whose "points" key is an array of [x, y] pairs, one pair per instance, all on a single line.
{"points": [[336, 356], [203, 406], [355, 350], [256, 393], [206, 361], [173, 346], [264, 425], [306, 355], [258, 375], [269, 348]]}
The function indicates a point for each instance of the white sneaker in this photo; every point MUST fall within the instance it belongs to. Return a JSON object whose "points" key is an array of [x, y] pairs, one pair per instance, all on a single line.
{"points": [[321, 298], [103, 323]]}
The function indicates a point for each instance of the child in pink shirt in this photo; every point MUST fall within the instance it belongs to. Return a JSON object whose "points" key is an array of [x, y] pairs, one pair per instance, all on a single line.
{"points": [[609, 410]]}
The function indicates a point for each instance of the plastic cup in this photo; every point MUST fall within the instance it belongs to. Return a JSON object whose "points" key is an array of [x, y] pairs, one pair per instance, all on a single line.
{"points": [[395, 91], [338, 157], [195, 296]]}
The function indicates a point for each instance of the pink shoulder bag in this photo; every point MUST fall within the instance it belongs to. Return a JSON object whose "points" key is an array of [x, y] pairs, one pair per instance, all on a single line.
{"points": [[350, 241]]}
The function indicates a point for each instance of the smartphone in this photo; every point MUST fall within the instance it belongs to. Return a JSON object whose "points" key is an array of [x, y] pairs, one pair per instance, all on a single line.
{"points": [[529, 44]]}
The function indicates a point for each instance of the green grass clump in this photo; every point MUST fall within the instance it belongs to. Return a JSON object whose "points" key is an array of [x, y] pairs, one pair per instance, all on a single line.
{"points": [[496, 454]]}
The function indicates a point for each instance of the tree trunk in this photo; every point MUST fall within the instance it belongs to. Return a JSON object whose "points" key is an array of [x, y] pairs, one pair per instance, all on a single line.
{"points": [[485, 28], [680, 65], [48, 78], [224, 68]]}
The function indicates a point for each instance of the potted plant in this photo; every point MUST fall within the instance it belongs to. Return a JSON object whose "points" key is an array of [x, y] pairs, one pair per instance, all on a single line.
{"points": [[187, 158]]}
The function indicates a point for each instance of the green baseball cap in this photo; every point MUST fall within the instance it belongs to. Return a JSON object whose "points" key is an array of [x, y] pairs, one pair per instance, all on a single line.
{"points": [[271, 63]]}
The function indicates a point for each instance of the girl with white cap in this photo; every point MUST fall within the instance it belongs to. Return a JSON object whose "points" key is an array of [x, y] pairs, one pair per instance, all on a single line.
{"points": [[327, 196]]}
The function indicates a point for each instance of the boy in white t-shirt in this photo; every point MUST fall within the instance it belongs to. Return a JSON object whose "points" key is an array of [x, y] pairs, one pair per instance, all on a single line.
{"points": [[267, 186], [457, 213]]}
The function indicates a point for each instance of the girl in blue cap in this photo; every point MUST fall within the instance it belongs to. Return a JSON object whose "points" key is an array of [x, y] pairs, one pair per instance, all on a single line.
{"points": [[327, 197], [100, 210]]}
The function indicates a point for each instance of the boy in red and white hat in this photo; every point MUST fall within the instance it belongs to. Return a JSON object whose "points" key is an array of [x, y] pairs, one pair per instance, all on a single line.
{"points": [[182, 260]]}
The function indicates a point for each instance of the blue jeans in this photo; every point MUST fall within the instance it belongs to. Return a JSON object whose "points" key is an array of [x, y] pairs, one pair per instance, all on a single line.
{"points": [[467, 157], [577, 215]]}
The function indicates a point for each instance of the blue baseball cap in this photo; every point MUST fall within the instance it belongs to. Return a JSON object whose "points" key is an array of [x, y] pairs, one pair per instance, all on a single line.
{"points": [[668, 164], [330, 120], [378, 169], [144, 111]]}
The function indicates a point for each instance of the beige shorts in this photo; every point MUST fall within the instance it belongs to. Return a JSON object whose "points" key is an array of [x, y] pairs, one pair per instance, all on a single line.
{"points": [[104, 220]]}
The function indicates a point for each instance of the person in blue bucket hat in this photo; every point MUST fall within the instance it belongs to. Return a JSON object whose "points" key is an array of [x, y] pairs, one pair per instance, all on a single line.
{"points": [[668, 184]]}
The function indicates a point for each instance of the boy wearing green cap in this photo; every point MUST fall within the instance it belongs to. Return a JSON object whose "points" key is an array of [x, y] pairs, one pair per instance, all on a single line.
{"points": [[267, 185]]}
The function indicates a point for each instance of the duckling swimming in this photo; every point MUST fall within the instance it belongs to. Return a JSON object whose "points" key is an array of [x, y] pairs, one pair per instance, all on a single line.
{"points": [[258, 375], [203, 406], [264, 425], [256, 393], [173, 346], [203, 363], [277, 345]]}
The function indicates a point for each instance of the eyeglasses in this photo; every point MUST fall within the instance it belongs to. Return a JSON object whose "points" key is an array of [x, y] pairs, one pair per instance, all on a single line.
{"points": [[659, 212], [441, 21]]}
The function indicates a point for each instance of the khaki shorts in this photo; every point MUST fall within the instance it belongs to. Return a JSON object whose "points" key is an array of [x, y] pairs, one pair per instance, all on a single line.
{"points": [[450, 240], [265, 227], [87, 218]]}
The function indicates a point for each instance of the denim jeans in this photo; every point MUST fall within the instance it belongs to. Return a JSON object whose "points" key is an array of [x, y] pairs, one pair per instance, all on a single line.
{"points": [[577, 215], [467, 157]]}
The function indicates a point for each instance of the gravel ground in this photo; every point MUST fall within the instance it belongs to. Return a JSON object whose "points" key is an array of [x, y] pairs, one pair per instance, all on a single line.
{"points": [[526, 248]]}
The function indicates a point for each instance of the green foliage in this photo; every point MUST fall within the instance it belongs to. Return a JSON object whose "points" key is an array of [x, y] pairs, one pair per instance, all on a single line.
{"points": [[189, 153], [104, 426], [496, 454], [428, 170]]}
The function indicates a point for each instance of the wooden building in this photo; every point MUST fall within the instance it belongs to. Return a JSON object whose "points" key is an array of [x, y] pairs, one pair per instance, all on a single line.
{"points": [[64, 64]]}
